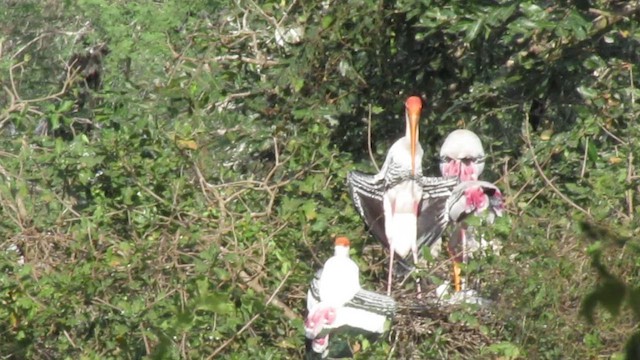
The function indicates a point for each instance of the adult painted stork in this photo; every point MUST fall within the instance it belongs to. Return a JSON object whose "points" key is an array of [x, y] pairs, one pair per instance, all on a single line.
{"points": [[462, 156], [401, 208]]}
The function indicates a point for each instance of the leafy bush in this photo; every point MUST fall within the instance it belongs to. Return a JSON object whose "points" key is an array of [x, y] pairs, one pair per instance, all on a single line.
{"points": [[173, 172]]}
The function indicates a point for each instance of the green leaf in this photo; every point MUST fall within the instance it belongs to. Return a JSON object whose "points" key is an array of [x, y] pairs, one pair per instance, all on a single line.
{"points": [[587, 92], [505, 349], [327, 21], [474, 30], [215, 302]]}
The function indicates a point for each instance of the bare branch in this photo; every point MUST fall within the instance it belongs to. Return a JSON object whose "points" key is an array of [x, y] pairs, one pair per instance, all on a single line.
{"points": [[527, 139]]}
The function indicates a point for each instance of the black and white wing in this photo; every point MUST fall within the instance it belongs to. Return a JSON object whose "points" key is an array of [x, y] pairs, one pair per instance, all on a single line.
{"points": [[365, 300], [367, 193], [432, 215]]}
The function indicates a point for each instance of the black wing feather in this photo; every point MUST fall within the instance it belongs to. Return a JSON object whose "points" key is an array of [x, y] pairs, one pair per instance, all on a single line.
{"points": [[367, 195], [432, 215]]}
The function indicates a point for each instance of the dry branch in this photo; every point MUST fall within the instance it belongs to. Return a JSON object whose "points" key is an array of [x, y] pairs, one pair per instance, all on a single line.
{"points": [[527, 139]]}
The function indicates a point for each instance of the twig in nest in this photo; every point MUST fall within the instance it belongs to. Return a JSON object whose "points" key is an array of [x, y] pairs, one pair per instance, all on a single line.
{"points": [[288, 312], [66, 334], [393, 345], [286, 13], [622, 142], [527, 139], [630, 191], [369, 140], [584, 158], [630, 171]]}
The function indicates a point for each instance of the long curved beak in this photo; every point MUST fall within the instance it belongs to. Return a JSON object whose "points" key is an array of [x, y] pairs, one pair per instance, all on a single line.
{"points": [[414, 119]]}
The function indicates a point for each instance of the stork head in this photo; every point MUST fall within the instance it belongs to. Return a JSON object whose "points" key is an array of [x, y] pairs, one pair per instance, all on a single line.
{"points": [[462, 155], [413, 107], [342, 246]]}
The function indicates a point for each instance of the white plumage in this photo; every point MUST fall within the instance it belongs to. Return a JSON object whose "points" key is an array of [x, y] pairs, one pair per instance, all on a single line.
{"points": [[462, 155], [340, 279]]}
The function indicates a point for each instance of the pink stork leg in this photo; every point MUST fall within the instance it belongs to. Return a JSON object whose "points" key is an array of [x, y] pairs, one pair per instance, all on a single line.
{"points": [[390, 278], [414, 251], [390, 209], [476, 199]]}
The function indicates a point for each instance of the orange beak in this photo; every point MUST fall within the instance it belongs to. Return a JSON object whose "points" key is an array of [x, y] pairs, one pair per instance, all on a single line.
{"points": [[414, 119]]}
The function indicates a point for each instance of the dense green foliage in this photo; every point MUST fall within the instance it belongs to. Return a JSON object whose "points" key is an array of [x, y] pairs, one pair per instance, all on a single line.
{"points": [[173, 171]]}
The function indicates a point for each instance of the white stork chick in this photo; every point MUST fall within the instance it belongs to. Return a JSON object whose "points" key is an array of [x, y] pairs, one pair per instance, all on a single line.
{"points": [[462, 155], [338, 284]]}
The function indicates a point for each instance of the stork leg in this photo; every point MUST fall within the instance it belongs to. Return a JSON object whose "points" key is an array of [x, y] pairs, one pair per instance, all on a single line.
{"points": [[456, 268], [414, 248], [389, 279], [454, 254], [414, 251], [464, 257], [456, 276]]}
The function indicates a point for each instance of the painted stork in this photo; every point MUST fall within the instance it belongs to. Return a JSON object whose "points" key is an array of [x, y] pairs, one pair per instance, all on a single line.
{"points": [[401, 208], [462, 156], [339, 282], [365, 311], [470, 197]]}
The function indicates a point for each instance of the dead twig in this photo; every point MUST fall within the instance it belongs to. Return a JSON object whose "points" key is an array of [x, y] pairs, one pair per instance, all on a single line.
{"points": [[271, 19], [147, 346], [527, 139], [630, 168], [584, 158], [622, 142], [629, 181], [286, 14], [255, 286], [17, 104], [66, 334], [262, 61]]}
